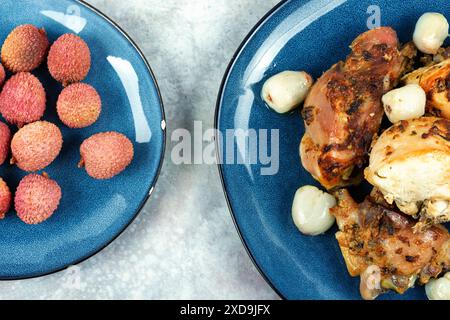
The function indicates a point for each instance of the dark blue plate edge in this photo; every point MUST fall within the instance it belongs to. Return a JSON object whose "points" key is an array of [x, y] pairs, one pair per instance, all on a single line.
{"points": [[161, 160], [216, 139]]}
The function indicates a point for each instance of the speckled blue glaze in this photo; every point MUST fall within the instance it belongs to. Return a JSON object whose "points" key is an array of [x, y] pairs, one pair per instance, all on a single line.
{"points": [[92, 213], [296, 35]]}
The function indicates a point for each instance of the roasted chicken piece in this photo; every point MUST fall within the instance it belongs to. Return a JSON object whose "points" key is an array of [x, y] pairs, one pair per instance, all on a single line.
{"points": [[442, 54], [410, 165], [435, 80], [379, 244], [343, 110]]}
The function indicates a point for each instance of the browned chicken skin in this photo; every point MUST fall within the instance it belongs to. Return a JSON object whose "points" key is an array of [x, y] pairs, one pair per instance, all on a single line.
{"points": [[374, 234], [343, 111], [435, 80]]}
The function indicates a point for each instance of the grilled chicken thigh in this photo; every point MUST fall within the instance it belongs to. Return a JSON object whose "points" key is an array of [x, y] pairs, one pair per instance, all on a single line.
{"points": [[343, 110], [380, 244]]}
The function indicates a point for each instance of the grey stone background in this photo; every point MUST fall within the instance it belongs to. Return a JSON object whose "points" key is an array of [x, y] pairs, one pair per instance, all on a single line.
{"points": [[184, 244]]}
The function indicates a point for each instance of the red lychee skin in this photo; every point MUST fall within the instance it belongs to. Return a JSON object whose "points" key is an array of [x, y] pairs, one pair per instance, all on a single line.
{"points": [[25, 48], [105, 155], [36, 145], [5, 198], [22, 99], [2, 75], [79, 105], [69, 59], [5, 141], [37, 198]]}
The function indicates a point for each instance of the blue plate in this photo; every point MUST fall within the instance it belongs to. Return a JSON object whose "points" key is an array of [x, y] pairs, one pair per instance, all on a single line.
{"points": [[295, 35], [92, 213]]}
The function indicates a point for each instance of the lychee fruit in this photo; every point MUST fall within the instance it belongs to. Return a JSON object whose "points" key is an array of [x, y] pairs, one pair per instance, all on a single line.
{"points": [[5, 198], [5, 140], [79, 105], [69, 59], [106, 154], [25, 48], [37, 198], [22, 99], [36, 145], [2, 75]]}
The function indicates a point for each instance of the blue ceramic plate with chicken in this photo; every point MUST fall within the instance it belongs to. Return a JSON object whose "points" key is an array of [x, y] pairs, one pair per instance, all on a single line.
{"points": [[92, 213], [296, 35]]}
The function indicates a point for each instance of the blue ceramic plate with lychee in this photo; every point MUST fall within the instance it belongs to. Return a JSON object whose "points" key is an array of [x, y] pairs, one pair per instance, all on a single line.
{"points": [[82, 134]]}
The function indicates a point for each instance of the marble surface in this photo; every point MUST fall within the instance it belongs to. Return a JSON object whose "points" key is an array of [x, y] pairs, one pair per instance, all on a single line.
{"points": [[184, 244]]}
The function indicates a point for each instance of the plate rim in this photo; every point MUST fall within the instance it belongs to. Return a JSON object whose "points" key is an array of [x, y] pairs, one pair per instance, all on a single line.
{"points": [[236, 55], [151, 188]]}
